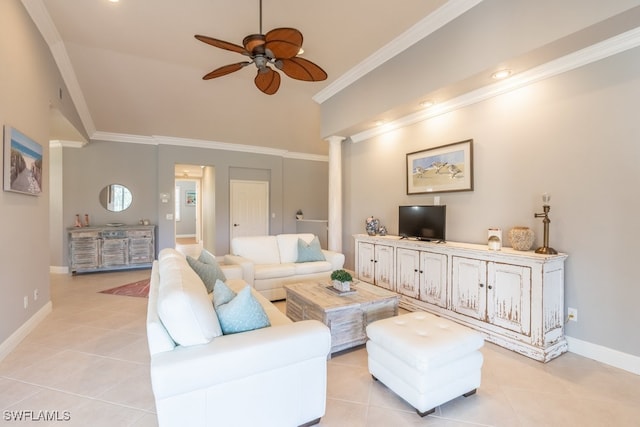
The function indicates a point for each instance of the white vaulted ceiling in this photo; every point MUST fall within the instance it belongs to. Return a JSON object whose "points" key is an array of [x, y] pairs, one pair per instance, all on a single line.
{"points": [[134, 69]]}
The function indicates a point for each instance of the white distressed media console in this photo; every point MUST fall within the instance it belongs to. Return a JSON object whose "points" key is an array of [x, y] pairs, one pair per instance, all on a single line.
{"points": [[516, 298]]}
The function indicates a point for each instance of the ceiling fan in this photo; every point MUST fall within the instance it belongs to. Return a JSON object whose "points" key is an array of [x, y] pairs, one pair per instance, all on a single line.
{"points": [[278, 48]]}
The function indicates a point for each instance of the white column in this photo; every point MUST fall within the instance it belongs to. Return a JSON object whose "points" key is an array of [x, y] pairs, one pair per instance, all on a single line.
{"points": [[335, 193]]}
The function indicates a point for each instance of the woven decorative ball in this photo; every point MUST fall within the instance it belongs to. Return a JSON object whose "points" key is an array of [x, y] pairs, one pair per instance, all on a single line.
{"points": [[521, 238]]}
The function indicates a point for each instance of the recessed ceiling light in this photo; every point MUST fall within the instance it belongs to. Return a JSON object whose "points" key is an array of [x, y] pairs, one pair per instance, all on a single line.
{"points": [[426, 104], [379, 122], [502, 74], [114, 1]]}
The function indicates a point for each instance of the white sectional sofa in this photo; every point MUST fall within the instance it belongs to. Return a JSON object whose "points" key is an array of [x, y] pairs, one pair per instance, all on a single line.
{"points": [[269, 262], [273, 376]]}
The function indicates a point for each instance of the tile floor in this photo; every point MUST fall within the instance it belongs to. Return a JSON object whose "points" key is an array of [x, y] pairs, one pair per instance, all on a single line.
{"points": [[90, 358]]}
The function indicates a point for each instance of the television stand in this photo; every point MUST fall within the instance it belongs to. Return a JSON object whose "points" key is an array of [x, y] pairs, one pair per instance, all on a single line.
{"points": [[516, 298]]}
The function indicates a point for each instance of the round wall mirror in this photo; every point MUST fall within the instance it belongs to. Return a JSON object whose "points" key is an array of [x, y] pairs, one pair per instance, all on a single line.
{"points": [[115, 197]]}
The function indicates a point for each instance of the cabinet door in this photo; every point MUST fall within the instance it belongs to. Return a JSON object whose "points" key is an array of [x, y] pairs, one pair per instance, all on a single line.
{"points": [[115, 252], [83, 253], [384, 266], [366, 262], [509, 297], [433, 278], [408, 272], [469, 293]]}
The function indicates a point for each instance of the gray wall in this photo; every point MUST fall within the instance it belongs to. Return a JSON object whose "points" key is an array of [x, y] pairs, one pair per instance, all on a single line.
{"points": [[575, 136], [311, 178], [148, 170], [29, 85]]}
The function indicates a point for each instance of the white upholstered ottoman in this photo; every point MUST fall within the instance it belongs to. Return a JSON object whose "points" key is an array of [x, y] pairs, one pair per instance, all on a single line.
{"points": [[425, 359]]}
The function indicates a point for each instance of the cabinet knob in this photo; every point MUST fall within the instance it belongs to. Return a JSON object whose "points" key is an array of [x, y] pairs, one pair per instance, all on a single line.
{"points": [[421, 271], [482, 285], [490, 287], [415, 270]]}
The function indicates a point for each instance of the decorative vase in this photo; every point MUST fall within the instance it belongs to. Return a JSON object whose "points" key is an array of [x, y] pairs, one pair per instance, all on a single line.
{"points": [[341, 286], [521, 238], [372, 226], [78, 223]]}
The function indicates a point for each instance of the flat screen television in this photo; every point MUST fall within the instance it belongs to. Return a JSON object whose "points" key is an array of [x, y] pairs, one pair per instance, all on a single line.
{"points": [[423, 222]]}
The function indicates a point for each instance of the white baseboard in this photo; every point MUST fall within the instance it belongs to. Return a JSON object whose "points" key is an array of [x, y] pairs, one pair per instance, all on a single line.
{"points": [[58, 269], [184, 236], [616, 358], [14, 339]]}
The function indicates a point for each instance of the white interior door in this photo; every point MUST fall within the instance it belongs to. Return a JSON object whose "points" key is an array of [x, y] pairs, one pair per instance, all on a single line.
{"points": [[249, 208]]}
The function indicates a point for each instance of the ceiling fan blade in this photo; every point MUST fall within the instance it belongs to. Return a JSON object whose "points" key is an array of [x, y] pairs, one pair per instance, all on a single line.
{"points": [[227, 69], [301, 69], [222, 44], [284, 42], [268, 81]]}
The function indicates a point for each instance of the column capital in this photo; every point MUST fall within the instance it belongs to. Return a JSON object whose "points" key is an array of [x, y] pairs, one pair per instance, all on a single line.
{"points": [[335, 139]]}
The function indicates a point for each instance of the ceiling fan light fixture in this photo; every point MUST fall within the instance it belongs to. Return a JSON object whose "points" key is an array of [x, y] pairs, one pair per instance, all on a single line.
{"points": [[279, 47]]}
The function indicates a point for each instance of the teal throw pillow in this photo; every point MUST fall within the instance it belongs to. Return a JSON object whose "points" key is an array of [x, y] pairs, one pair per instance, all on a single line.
{"points": [[222, 294], [243, 313], [308, 252], [209, 273]]}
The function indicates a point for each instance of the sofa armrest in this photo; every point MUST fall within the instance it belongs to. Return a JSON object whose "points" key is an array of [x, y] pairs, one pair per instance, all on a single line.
{"points": [[233, 357], [335, 258], [232, 271], [248, 271]]}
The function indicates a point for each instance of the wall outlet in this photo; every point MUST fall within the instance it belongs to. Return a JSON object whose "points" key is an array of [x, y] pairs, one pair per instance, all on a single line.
{"points": [[26, 302], [572, 314], [36, 294]]}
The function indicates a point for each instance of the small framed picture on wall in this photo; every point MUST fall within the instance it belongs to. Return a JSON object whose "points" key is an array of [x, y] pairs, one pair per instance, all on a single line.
{"points": [[190, 198]]}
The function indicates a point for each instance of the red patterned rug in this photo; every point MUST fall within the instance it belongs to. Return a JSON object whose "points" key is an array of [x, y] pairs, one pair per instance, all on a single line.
{"points": [[135, 289]]}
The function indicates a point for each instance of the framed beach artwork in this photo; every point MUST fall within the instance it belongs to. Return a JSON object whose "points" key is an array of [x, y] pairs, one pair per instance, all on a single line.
{"points": [[22, 163], [190, 198], [441, 169]]}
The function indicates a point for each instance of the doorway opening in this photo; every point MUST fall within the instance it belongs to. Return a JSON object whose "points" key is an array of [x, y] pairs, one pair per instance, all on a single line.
{"points": [[194, 216]]}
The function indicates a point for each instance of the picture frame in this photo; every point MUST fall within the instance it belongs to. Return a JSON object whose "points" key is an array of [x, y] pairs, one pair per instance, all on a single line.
{"points": [[190, 198], [446, 168], [23, 161]]}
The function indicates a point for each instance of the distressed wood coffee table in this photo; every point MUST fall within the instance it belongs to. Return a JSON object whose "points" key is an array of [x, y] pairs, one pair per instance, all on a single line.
{"points": [[346, 315]]}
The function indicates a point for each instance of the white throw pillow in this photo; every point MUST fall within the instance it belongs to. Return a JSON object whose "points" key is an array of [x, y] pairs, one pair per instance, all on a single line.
{"points": [[184, 307]]}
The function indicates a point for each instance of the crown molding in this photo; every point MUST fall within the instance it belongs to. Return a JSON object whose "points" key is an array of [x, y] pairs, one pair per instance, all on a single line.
{"points": [[61, 143], [40, 16], [577, 59], [201, 143], [428, 25]]}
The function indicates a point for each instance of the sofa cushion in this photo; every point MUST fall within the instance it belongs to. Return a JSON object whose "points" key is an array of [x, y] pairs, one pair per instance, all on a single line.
{"points": [[312, 267], [259, 249], [308, 252], [272, 271], [243, 313], [222, 294], [288, 245], [209, 273], [184, 306]]}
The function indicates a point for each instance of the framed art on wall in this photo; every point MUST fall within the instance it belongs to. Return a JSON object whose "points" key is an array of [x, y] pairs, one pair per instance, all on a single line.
{"points": [[22, 163], [190, 198], [441, 169]]}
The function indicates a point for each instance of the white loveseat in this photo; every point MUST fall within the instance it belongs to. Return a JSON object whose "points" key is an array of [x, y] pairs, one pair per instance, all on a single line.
{"points": [[274, 376], [269, 262]]}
